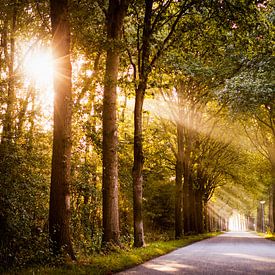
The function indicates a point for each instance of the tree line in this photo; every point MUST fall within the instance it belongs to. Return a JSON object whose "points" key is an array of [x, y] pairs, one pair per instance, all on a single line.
{"points": [[113, 166]]}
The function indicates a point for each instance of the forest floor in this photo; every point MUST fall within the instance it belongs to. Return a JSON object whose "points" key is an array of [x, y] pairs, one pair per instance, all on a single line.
{"points": [[229, 253], [116, 261]]}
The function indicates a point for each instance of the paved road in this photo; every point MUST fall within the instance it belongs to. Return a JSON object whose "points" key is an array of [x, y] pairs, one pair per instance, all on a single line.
{"points": [[230, 253]]}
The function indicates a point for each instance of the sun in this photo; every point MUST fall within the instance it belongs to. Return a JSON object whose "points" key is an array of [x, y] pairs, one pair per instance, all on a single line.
{"points": [[38, 66], [37, 69], [38, 72]]}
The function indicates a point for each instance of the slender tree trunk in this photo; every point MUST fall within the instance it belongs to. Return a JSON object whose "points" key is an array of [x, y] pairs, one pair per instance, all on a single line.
{"points": [[8, 44], [259, 218], [138, 151], [270, 208], [59, 214], [199, 212], [192, 207], [211, 219], [8, 123], [200, 218], [122, 118], [187, 186], [137, 170], [115, 16], [206, 217], [178, 200], [187, 189], [22, 113], [272, 162], [186, 205], [30, 134], [179, 173]]}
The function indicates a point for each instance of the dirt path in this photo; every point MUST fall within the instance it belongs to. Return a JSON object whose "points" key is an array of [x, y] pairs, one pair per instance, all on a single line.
{"points": [[230, 253]]}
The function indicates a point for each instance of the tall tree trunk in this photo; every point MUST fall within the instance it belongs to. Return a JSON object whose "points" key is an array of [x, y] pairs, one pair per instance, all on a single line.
{"points": [[30, 134], [8, 44], [59, 215], [259, 218], [199, 212], [179, 171], [186, 198], [209, 218], [8, 122], [138, 151], [115, 16], [187, 186], [144, 65], [206, 217], [178, 201], [124, 106], [270, 208], [137, 170], [192, 207]]}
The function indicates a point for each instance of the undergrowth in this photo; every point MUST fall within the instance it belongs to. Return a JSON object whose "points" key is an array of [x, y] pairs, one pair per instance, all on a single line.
{"points": [[116, 261], [270, 236]]}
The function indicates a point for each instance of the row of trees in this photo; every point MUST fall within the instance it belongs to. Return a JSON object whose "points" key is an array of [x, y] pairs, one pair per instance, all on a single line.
{"points": [[198, 63]]}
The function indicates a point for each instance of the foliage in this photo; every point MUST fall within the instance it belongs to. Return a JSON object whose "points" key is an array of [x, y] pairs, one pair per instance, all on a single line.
{"points": [[121, 259], [24, 203], [220, 50], [252, 88], [86, 163], [270, 236]]}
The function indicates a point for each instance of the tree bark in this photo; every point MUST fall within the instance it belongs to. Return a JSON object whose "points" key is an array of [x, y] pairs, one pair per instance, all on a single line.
{"points": [[210, 218], [179, 172], [115, 16], [137, 170], [199, 212], [138, 150], [192, 207], [186, 190], [259, 219], [206, 217], [178, 197], [59, 214]]}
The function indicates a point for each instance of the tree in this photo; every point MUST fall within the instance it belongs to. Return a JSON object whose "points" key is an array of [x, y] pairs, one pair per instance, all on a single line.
{"points": [[251, 92], [115, 16], [24, 165], [179, 172], [59, 213], [200, 61], [10, 22], [150, 45]]}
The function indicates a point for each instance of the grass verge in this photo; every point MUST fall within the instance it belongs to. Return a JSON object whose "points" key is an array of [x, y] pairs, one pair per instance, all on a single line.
{"points": [[119, 260], [270, 236]]}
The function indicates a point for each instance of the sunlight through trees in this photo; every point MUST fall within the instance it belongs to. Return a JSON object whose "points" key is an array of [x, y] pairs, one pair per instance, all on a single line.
{"points": [[127, 122]]}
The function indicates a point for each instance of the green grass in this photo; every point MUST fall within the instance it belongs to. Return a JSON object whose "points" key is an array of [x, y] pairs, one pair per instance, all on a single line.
{"points": [[119, 260], [270, 236]]}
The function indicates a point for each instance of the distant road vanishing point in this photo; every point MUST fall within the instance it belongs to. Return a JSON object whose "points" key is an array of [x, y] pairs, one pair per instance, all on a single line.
{"points": [[229, 253]]}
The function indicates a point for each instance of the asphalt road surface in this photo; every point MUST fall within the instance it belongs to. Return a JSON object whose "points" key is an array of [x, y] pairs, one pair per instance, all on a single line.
{"points": [[230, 253]]}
